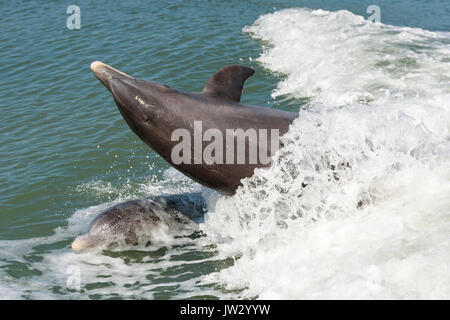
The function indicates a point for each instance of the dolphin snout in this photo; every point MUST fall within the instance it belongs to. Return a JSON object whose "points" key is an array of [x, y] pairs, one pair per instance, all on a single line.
{"points": [[84, 243], [106, 73]]}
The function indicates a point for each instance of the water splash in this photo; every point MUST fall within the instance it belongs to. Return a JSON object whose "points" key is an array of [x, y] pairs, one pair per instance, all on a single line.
{"points": [[356, 204]]}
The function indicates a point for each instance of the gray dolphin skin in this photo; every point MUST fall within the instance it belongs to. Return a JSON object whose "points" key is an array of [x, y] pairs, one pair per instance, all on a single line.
{"points": [[153, 111], [139, 222]]}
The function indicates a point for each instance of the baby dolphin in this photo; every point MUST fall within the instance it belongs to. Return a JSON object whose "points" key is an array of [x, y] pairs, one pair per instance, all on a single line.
{"points": [[142, 221]]}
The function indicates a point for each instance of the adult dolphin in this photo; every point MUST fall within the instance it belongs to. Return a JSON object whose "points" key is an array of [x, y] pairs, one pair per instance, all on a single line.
{"points": [[155, 111]]}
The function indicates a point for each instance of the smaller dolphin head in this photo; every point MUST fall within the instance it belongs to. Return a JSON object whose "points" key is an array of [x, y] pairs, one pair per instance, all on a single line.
{"points": [[85, 243], [141, 103]]}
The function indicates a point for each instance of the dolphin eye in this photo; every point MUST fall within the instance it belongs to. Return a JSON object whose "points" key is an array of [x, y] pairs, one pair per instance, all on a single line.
{"points": [[146, 119]]}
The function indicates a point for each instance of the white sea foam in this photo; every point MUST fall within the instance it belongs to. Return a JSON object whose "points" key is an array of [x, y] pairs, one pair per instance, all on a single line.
{"points": [[372, 148]]}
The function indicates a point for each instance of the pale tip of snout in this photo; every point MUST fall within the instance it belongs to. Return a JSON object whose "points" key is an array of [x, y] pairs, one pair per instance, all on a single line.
{"points": [[79, 244], [103, 70], [96, 65]]}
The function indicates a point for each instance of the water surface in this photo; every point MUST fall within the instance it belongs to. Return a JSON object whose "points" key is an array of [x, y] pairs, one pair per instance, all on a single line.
{"points": [[381, 94]]}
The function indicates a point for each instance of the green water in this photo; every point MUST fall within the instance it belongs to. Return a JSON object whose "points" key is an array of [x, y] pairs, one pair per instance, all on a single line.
{"points": [[60, 127], [63, 144]]}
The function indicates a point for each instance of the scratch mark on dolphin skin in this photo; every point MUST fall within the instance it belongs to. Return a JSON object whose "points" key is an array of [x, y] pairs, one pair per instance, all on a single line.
{"points": [[139, 99]]}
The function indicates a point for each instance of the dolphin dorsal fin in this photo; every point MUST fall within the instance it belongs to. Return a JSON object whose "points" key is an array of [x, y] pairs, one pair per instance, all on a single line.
{"points": [[227, 83]]}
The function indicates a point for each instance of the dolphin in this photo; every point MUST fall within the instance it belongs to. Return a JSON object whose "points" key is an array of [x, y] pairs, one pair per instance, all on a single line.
{"points": [[143, 222], [155, 111]]}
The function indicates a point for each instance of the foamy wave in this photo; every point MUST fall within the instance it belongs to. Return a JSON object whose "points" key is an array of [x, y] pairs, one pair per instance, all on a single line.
{"points": [[356, 204]]}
